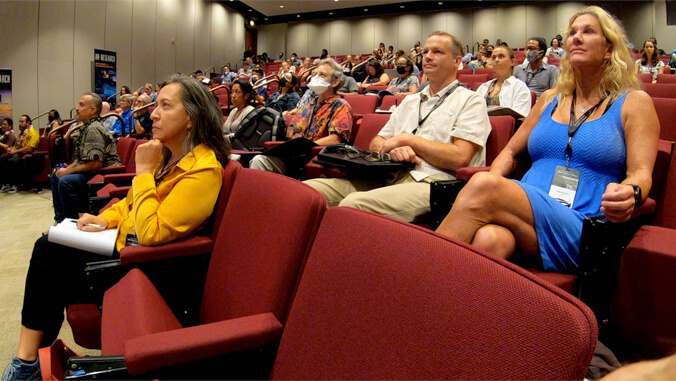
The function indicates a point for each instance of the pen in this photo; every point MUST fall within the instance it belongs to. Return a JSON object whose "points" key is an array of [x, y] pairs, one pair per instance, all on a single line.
{"points": [[95, 226]]}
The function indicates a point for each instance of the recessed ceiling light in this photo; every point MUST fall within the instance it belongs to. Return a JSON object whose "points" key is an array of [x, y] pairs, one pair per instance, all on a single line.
{"points": [[440, 3], [366, 10], [331, 13], [297, 15], [251, 22], [281, 6], [266, 19], [336, 0], [401, 6]]}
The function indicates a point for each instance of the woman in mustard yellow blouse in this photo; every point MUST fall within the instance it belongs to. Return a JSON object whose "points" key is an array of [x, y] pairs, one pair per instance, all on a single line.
{"points": [[178, 179]]}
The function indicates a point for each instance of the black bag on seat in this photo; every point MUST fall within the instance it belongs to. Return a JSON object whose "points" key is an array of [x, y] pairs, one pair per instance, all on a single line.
{"points": [[261, 125]]}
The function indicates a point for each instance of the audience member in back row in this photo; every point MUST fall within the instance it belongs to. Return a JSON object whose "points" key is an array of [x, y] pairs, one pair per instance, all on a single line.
{"points": [[94, 149], [185, 159], [54, 122], [575, 173], [650, 61], [245, 71], [141, 122], [555, 49], [7, 137], [242, 96], [228, 76], [12, 171], [288, 95], [376, 75], [326, 119], [349, 87], [537, 75], [406, 83], [505, 90], [125, 103], [440, 129]]}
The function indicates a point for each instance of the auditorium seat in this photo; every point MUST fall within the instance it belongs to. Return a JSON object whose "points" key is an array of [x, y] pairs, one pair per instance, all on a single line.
{"points": [[660, 90], [489, 71], [39, 160], [469, 79], [85, 320], [464, 71], [390, 300], [666, 78], [643, 309], [254, 270], [372, 88], [125, 146], [362, 104], [645, 77], [391, 100], [666, 113]]}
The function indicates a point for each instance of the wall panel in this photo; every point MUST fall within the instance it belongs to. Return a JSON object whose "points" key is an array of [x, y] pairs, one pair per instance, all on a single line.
{"points": [[202, 36], [271, 39], [409, 31], [218, 36], [433, 22], [459, 24], [384, 31], [541, 21], [340, 37], [297, 39], [484, 25], [363, 36], [55, 56], [185, 36], [665, 34], [118, 38], [505, 27], [320, 32], [143, 43], [89, 35]]}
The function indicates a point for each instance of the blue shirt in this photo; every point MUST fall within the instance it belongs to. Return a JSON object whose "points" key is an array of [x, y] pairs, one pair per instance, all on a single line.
{"points": [[117, 127]]}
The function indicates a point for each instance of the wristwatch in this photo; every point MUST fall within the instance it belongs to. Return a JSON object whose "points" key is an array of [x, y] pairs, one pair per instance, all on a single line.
{"points": [[637, 195]]}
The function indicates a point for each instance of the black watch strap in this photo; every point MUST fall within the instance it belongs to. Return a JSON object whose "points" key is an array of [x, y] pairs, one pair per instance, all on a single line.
{"points": [[637, 195]]}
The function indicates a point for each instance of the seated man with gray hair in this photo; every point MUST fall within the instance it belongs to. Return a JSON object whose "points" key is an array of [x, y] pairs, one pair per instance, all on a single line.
{"points": [[326, 120], [141, 122], [125, 103]]}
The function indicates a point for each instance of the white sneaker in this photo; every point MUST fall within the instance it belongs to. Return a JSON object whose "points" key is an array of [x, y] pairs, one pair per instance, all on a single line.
{"points": [[13, 189], [5, 188]]}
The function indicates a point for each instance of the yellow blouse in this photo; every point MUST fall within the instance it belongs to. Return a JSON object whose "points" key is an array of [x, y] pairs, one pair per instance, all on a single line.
{"points": [[177, 207]]}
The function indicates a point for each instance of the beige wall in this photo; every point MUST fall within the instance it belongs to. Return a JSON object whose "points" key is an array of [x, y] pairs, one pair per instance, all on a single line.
{"points": [[513, 23], [49, 45]]}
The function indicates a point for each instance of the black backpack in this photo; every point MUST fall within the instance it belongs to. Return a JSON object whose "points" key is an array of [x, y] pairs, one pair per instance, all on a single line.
{"points": [[261, 125]]}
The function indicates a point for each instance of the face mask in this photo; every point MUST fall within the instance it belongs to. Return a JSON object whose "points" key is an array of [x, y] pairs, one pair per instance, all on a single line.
{"points": [[282, 82], [532, 55], [401, 69], [318, 85]]}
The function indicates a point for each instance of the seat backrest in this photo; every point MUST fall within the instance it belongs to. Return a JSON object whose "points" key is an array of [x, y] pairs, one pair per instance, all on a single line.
{"points": [[664, 186], [476, 85], [465, 71], [502, 129], [391, 100], [666, 113], [383, 299], [660, 90], [370, 127], [125, 147], [229, 175], [666, 78], [489, 71], [131, 165], [268, 227], [469, 79], [645, 77], [362, 104]]}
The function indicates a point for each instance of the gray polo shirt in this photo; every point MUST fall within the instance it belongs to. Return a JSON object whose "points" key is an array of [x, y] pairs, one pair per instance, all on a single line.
{"points": [[544, 78], [349, 86]]}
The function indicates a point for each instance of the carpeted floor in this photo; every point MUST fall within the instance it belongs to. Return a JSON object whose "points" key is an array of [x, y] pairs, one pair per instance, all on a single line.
{"points": [[24, 216]]}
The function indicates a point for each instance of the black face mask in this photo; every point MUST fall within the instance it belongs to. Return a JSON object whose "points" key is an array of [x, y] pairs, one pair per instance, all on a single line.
{"points": [[282, 82], [401, 69]]}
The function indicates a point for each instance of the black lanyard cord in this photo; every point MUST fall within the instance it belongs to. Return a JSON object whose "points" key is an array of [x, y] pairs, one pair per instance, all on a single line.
{"points": [[436, 105], [574, 125]]}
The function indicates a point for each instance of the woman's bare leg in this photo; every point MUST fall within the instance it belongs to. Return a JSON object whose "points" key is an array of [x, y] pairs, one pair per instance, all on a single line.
{"points": [[492, 199], [29, 343], [495, 239]]}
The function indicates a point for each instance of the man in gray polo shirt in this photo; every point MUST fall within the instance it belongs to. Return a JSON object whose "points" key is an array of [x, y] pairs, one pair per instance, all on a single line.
{"points": [[537, 75]]}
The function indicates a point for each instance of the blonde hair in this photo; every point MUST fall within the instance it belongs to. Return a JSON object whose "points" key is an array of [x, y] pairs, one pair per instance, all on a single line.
{"points": [[618, 71]]}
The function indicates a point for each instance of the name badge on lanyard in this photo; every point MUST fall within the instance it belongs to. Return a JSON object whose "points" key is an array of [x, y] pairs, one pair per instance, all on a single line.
{"points": [[564, 185]]}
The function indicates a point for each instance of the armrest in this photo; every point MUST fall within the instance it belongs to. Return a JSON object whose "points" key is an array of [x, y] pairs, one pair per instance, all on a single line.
{"points": [[119, 191], [117, 177], [113, 169], [317, 149], [188, 246], [165, 349], [466, 173], [270, 144], [442, 197]]}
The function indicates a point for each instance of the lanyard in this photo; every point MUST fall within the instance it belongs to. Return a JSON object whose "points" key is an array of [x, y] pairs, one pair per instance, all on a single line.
{"points": [[574, 125], [436, 105]]}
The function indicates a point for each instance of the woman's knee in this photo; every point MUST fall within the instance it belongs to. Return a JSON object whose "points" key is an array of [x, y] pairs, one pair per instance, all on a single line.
{"points": [[482, 190], [496, 240]]}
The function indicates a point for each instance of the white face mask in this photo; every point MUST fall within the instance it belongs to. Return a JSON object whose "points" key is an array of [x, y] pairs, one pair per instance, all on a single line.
{"points": [[318, 85]]}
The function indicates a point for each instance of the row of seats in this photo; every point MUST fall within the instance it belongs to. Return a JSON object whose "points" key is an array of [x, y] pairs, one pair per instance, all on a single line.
{"points": [[343, 294]]}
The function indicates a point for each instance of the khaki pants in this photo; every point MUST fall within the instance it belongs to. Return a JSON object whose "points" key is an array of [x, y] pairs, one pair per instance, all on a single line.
{"points": [[400, 197]]}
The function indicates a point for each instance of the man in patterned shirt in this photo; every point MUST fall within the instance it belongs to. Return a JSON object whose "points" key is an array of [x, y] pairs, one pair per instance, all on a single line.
{"points": [[94, 149], [326, 119]]}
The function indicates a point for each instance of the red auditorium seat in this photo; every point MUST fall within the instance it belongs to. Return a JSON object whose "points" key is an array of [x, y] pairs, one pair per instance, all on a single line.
{"points": [[249, 285], [643, 309], [469, 79], [85, 319], [465, 71], [391, 100], [666, 78], [660, 90], [362, 104], [39, 158], [366, 308], [389, 300], [372, 88], [645, 77], [489, 71], [125, 146], [666, 113]]}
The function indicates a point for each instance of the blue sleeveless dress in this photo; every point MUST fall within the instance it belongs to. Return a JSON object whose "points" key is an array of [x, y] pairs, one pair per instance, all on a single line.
{"points": [[599, 153]]}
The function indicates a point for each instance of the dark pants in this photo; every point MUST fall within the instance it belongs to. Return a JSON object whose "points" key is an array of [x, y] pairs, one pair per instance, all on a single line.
{"points": [[55, 280], [70, 195], [11, 170]]}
